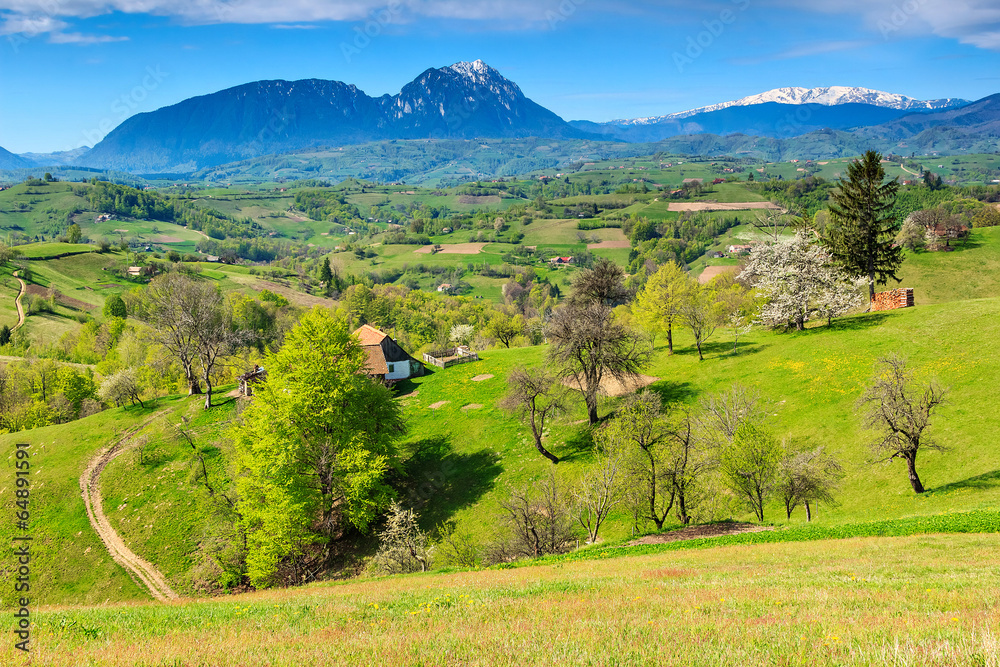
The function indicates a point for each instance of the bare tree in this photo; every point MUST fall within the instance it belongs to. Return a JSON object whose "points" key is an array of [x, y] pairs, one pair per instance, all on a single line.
{"points": [[604, 284], [537, 521], [689, 458], [589, 344], [534, 395], [210, 319], [809, 477], [638, 433], [722, 414], [774, 222], [598, 492], [163, 306], [900, 412]]}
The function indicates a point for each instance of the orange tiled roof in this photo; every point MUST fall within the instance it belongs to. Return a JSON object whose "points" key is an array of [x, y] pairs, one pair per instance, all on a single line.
{"points": [[369, 335], [376, 360]]}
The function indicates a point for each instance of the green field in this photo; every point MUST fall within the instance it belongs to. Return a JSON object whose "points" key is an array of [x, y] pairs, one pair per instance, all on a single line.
{"points": [[927, 600]]}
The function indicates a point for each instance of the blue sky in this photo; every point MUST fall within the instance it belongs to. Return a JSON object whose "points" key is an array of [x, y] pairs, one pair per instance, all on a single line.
{"points": [[70, 70]]}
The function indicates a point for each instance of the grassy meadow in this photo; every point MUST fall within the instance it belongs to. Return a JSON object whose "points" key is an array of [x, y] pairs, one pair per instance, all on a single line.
{"points": [[919, 600]]}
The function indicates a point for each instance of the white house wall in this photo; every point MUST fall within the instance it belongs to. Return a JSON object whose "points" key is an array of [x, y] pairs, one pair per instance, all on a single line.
{"points": [[400, 370]]}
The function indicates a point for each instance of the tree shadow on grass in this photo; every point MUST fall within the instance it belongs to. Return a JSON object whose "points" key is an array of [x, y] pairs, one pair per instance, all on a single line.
{"points": [[577, 445], [673, 392], [982, 482], [720, 349], [437, 481], [858, 322]]}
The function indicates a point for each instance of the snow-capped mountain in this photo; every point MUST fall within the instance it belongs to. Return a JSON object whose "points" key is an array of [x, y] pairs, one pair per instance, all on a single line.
{"points": [[827, 96]]}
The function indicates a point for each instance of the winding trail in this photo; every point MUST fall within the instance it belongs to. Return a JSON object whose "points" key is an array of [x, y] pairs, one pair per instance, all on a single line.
{"points": [[90, 487], [17, 302]]}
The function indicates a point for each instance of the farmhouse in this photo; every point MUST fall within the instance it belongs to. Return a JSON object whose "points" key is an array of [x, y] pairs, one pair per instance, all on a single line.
{"points": [[387, 361], [740, 249], [561, 260], [444, 287]]}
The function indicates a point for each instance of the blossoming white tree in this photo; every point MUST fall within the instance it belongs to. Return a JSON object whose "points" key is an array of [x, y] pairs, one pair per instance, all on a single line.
{"points": [[799, 282]]}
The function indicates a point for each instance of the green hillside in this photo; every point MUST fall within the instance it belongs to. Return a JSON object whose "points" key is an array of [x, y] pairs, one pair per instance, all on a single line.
{"points": [[463, 454]]}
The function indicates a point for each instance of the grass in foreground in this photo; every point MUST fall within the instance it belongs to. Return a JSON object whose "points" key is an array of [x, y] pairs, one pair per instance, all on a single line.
{"points": [[923, 600]]}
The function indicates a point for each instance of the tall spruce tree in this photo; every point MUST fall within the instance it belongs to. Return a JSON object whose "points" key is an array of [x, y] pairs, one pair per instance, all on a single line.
{"points": [[865, 226]]}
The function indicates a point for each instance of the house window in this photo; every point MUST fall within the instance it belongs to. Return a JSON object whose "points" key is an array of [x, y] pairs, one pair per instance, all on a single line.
{"points": [[391, 368]]}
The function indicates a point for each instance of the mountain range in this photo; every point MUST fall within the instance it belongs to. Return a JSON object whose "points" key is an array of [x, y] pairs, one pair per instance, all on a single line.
{"points": [[266, 117], [827, 96], [471, 100]]}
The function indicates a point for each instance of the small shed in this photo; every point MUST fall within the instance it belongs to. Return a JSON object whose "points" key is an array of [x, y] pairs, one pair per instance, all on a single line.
{"points": [[249, 378]]}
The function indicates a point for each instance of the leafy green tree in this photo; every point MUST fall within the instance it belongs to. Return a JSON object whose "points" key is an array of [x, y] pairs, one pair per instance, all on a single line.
{"points": [[703, 312], [865, 223], [750, 464], [4, 335], [505, 328], [657, 306], [314, 447], [74, 233], [114, 306]]}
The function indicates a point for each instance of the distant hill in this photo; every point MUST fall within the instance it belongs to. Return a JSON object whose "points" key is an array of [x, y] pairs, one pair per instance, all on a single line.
{"points": [[974, 122], [58, 158], [10, 161], [464, 100]]}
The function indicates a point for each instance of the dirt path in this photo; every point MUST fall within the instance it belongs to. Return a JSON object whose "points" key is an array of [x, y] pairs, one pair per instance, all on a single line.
{"points": [[722, 206], [17, 302], [695, 532], [90, 487]]}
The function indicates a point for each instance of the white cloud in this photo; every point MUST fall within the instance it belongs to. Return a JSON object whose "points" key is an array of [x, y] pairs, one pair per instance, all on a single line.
{"points": [[975, 22], [291, 11], [804, 51], [29, 26], [84, 40]]}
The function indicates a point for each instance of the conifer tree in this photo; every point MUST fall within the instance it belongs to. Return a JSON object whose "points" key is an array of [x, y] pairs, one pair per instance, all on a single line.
{"points": [[865, 224]]}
